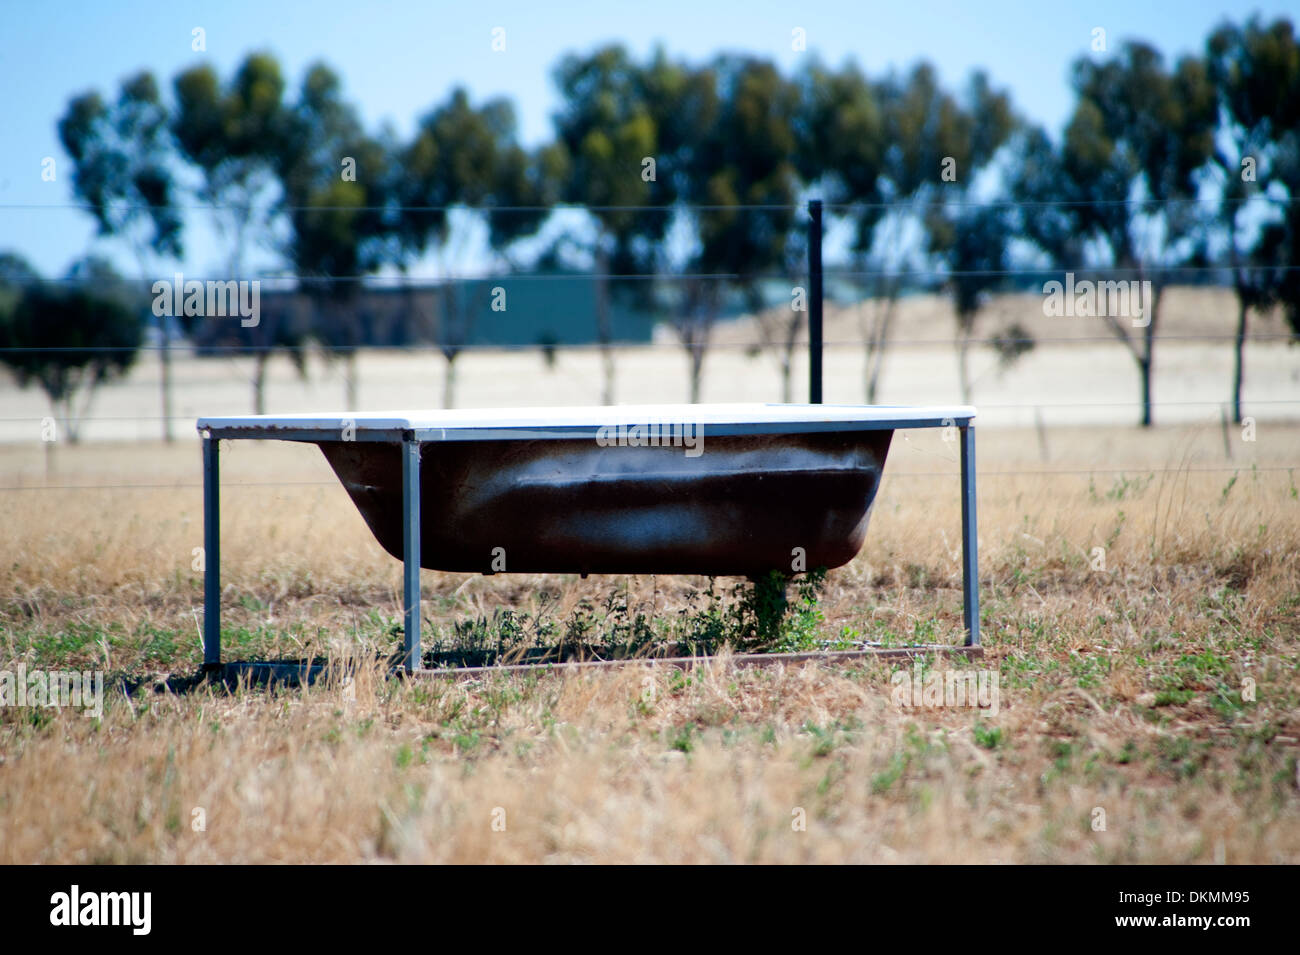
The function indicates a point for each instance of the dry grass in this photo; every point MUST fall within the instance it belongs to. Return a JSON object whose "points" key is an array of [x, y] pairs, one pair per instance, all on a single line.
{"points": [[1120, 689]]}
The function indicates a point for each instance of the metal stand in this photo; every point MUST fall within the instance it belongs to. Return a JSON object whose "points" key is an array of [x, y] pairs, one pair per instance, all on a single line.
{"points": [[410, 451], [211, 554], [970, 567], [411, 550]]}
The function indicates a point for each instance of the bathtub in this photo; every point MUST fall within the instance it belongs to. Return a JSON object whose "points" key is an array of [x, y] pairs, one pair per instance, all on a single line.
{"points": [[718, 490]]}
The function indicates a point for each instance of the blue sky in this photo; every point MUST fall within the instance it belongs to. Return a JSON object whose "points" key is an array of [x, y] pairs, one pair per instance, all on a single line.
{"points": [[399, 58]]}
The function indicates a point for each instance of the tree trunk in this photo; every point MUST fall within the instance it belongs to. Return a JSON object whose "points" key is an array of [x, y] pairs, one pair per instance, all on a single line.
{"points": [[697, 367], [259, 382], [604, 330], [165, 353], [693, 331], [607, 360], [792, 326], [350, 380], [875, 360], [1144, 369], [868, 345], [1238, 347], [876, 337], [449, 383], [66, 411], [1147, 359], [963, 369]]}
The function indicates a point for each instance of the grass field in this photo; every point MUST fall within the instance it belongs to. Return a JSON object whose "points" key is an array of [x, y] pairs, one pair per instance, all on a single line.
{"points": [[1149, 706]]}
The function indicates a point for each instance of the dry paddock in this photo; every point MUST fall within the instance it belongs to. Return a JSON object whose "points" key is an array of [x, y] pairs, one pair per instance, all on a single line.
{"points": [[1147, 705]]}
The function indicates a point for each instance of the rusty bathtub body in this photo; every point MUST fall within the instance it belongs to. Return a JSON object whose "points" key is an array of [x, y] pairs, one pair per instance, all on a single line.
{"points": [[719, 490], [747, 505]]}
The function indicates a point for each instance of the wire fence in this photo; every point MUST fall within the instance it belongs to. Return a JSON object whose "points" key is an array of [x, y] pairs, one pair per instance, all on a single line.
{"points": [[794, 332]]}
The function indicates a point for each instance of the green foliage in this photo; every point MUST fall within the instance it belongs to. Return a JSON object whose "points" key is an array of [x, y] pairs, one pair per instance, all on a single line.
{"points": [[334, 179], [753, 617], [1129, 169], [467, 155], [1255, 71], [68, 337], [681, 739], [122, 161], [234, 134], [736, 144], [240, 136], [605, 127], [759, 617], [989, 737], [614, 628]]}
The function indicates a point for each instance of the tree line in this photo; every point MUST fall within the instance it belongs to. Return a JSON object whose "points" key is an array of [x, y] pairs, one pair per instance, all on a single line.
{"points": [[691, 178]]}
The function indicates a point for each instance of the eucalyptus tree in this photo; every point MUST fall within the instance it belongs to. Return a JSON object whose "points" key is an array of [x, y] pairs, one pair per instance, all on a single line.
{"points": [[1255, 71], [882, 152], [745, 187], [841, 156], [122, 157], [71, 336], [606, 129], [336, 183], [969, 237], [467, 157], [1134, 156], [235, 134]]}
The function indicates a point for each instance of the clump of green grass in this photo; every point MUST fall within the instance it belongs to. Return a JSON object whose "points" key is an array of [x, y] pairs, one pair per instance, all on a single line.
{"points": [[763, 618], [989, 737]]}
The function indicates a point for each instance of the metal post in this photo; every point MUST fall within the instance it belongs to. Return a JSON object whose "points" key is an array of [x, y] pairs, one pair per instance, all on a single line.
{"points": [[970, 568], [211, 554], [411, 550], [815, 301]]}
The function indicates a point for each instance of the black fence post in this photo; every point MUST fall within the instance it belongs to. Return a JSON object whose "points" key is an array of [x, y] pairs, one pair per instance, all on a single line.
{"points": [[815, 301]]}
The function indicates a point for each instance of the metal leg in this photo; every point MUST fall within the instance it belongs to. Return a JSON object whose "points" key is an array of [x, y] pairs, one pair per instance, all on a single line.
{"points": [[970, 568], [211, 554], [411, 550]]}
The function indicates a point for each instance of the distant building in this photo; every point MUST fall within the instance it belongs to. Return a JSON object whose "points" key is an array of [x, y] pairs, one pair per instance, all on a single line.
{"points": [[558, 309], [552, 308]]}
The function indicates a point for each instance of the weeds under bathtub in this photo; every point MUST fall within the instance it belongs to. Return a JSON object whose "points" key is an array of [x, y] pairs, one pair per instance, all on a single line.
{"points": [[751, 616]]}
